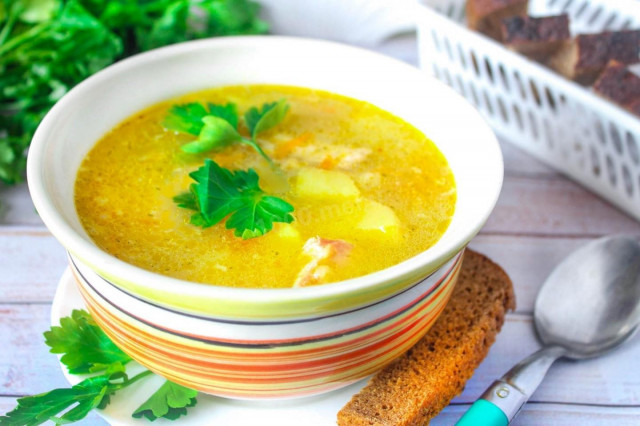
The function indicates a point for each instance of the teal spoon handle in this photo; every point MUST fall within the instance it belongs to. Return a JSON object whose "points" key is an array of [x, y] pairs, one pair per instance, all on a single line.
{"points": [[483, 412], [502, 401]]}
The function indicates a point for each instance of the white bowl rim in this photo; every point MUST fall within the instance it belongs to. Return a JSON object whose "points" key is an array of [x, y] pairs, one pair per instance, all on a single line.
{"points": [[75, 243]]}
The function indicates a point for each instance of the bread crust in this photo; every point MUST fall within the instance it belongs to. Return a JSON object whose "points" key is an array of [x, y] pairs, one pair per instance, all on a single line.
{"points": [[634, 107], [584, 57], [537, 38], [418, 385], [485, 15], [619, 85]]}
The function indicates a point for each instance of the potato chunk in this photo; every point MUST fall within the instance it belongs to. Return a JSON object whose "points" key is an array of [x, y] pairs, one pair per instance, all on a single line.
{"points": [[286, 231], [379, 218], [319, 183]]}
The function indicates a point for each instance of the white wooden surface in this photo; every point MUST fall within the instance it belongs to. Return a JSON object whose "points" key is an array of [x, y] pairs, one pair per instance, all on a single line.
{"points": [[540, 218]]}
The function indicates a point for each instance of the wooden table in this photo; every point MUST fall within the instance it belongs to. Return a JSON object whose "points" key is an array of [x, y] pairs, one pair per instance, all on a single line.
{"points": [[539, 219]]}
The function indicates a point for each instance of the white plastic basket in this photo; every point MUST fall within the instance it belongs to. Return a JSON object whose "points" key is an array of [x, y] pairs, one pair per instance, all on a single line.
{"points": [[565, 125]]}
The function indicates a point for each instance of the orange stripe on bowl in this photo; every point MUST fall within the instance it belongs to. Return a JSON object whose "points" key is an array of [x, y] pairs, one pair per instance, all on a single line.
{"points": [[442, 282], [207, 351], [212, 370]]}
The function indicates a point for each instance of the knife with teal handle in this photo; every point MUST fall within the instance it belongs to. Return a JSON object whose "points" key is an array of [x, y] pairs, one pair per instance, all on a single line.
{"points": [[502, 401]]}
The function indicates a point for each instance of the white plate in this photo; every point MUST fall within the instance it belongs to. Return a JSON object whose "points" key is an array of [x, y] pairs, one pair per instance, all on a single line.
{"points": [[311, 411]]}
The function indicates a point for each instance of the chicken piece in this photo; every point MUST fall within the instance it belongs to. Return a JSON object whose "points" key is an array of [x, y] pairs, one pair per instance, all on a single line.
{"points": [[350, 158], [339, 156], [369, 180], [324, 254]]}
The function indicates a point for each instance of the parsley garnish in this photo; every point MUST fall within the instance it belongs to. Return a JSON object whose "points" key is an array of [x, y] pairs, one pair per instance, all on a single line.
{"points": [[266, 118], [87, 349], [219, 193], [216, 126], [169, 401]]}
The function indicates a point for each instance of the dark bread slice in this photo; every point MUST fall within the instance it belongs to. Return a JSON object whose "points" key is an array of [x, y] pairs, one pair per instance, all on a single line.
{"points": [[634, 107], [485, 16], [536, 38], [418, 385], [618, 84], [583, 58]]}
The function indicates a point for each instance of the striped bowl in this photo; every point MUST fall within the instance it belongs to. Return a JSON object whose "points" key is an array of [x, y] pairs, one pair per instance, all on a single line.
{"points": [[266, 359], [260, 343]]}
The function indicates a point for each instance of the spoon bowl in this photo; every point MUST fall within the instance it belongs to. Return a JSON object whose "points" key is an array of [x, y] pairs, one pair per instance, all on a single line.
{"points": [[591, 301]]}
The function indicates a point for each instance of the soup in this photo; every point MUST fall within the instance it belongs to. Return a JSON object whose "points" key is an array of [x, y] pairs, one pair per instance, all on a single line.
{"points": [[367, 191]]}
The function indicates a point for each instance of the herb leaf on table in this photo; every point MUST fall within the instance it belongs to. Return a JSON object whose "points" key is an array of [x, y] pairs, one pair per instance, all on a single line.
{"points": [[86, 348], [97, 353], [219, 193], [170, 401], [80, 399]]}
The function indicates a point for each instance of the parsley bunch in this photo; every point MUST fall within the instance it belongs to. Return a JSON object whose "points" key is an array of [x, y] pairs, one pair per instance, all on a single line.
{"points": [[87, 349], [48, 46]]}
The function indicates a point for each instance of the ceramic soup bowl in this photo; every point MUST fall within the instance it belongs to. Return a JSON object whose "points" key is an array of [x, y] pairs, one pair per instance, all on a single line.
{"points": [[263, 343]]}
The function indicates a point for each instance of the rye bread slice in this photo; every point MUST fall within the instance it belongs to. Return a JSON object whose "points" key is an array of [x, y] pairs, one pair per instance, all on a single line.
{"points": [[583, 58], [618, 84], [417, 386], [485, 16], [536, 38]]}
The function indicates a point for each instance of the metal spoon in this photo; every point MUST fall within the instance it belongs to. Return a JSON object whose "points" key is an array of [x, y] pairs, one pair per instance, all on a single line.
{"points": [[587, 306]]}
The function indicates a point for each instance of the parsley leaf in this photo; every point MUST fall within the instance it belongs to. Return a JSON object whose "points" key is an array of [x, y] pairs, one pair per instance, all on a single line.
{"points": [[270, 115], [217, 127], [186, 201], [86, 348], [219, 193], [169, 401], [228, 112], [94, 392], [37, 409], [186, 118], [216, 133]]}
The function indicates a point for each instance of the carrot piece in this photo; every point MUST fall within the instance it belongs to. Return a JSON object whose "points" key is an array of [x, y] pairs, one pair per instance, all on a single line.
{"points": [[328, 163], [287, 147]]}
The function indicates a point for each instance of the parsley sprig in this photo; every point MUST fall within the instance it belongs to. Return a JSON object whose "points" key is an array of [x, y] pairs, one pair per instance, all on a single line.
{"points": [[93, 392], [87, 349], [216, 126], [219, 193]]}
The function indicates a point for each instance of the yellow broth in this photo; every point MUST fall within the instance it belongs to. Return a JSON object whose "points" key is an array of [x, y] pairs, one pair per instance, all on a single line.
{"points": [[125, 185]]}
